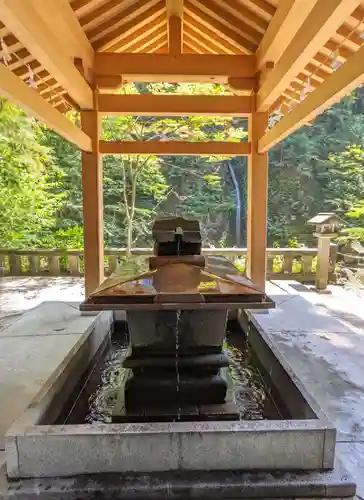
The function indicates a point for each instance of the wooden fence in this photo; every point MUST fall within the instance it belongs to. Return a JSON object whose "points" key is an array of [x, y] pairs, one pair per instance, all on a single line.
{"points": [[282, 263]]}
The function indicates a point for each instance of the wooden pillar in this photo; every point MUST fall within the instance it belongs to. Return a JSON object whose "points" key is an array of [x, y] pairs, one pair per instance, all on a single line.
{"points": [[257, 202], [93, 218]]}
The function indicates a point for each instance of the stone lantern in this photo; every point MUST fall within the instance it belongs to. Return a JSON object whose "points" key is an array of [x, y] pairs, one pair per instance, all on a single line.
{"points": [[327, 226]]}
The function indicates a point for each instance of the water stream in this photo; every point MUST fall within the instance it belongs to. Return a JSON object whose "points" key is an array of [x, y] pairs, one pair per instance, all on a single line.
{"points": [[178, 317], [250, 393]]}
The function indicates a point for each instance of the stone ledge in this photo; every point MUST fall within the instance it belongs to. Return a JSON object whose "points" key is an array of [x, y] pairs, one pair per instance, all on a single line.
{"points": [[153, 447], [180, 485]]}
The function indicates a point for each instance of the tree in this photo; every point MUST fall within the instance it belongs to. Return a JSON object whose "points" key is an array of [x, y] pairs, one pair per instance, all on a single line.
{"points": [[28, 177]]}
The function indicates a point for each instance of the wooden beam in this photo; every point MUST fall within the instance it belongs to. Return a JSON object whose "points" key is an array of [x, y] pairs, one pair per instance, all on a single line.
{"points": [[289, 17], [28, 99], [213, 148], [93, 221], [183, 68], [108, 82], [243, 86], [340, 83], [68, 31], [174, 105], [27, 23], [174, 8], [323, 20], [257, 201], [175, 35], [175, 26]]}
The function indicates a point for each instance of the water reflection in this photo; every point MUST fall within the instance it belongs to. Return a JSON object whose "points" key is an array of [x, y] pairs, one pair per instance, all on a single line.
{"points": [[249, 390]]}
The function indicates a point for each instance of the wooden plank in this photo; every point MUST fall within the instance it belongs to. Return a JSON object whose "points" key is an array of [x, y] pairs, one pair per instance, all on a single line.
{"points": [[257, 202], [321, 23], [285, 23], [183, 68], [173, 105], [26, 22], [175, 148], [28, 99], [93, 220], [340, 83]]}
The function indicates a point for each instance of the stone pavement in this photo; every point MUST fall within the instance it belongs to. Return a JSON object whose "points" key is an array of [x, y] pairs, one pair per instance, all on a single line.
{"points": [[20, 294], [322, 338], [34, 344]]}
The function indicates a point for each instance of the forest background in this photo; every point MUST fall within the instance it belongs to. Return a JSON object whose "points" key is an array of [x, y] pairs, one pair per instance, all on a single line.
{"points": [[320, 168]]}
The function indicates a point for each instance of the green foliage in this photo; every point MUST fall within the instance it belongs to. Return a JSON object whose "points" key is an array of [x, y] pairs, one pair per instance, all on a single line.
{"points": [[28, 181], [319, 168]]}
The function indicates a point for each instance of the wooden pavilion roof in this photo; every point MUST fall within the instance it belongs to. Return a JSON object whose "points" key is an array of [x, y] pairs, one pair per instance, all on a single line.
{"points": [[282, 48]]}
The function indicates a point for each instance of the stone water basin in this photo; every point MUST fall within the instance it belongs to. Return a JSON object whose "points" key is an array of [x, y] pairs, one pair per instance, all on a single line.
{"points": [[280, 427]]}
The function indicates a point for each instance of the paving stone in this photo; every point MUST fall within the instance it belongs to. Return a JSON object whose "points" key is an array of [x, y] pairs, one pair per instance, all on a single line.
{"points": [[25, 365], [49, 318], [352, 454]]}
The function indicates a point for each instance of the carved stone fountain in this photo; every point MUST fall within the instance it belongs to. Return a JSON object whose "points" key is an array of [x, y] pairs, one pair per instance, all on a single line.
{"points": [[177, 309]]}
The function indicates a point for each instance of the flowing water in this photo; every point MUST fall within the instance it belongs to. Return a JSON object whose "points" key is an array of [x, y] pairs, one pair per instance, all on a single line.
{"points": [[250, 392]]}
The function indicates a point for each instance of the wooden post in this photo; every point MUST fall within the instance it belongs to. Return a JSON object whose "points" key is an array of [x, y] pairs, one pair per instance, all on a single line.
{"points": [[93, 220], [257, 201]]}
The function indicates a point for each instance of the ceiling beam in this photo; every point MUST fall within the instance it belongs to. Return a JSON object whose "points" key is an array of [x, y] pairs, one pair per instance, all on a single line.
{"points": [[348, 77], [323, 20], [175, 35], [175, 26], [211, 148], [173, 105], [25, 20], [183, 68], [28, 99], [289, 17]]}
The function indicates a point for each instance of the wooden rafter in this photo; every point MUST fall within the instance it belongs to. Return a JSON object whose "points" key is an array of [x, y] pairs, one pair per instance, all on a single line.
{"points": [[102, 12], [152, 42], [239, 10], [324, 18], [334, 88], [200, 47], [187, 67], [18, 92], [175, 148], [138, 37], [219, 13], [206, 35], [288, 18], [27, 23], [129, 24], [223, 31], [173, 105]]}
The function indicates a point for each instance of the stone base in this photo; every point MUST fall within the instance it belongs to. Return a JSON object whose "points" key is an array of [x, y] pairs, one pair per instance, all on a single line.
{"points": [[335, 484], [171, 413], [157, 391]]}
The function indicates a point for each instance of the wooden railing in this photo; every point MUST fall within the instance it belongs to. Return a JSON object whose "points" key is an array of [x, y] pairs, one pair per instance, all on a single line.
{"points": [[282, 263]]}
